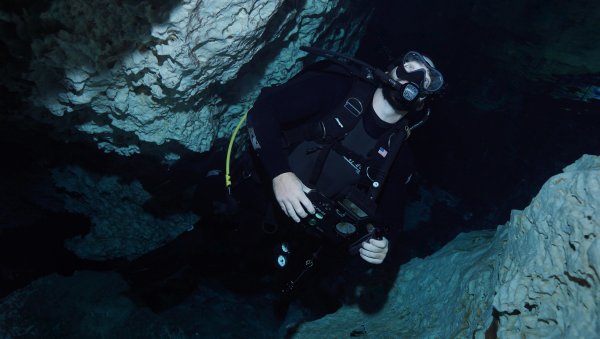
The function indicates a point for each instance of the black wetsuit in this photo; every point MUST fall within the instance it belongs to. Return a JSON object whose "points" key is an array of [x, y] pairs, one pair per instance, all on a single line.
{"points": [[307, 98]]}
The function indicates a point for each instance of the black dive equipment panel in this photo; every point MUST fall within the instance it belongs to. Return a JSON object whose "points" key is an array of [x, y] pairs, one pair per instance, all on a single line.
{"points": [[345, 221]]}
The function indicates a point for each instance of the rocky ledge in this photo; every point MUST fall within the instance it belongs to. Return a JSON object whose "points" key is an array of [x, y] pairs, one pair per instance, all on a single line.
{"points": [[536, 276]]}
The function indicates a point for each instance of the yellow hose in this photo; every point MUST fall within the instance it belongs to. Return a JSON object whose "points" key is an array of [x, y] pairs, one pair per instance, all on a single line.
{"points": [[227, 159]]}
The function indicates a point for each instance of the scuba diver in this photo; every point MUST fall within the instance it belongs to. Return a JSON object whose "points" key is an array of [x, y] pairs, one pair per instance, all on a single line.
{"points": [[323, 194], [329, 153], [337, 131]]}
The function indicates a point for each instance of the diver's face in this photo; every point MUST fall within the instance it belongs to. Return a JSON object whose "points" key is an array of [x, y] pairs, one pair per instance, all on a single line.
{"points": [[409, 67]]}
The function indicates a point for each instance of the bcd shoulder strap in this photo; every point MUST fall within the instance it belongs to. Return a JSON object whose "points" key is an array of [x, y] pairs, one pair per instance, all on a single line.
{"points": [[341, 119], [334, 126]]}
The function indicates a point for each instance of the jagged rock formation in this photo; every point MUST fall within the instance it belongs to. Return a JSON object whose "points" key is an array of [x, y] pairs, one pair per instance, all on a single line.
{"points": [[139, 72], [134, 75], [549, 281], [121, 228], [536, 276], [94, 305]]}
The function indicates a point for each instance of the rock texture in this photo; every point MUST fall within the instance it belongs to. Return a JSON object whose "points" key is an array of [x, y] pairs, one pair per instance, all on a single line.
{"points": [[136, 72], [549, 281], [536, 276], [95, 305], [135, 75], [121, 228]]}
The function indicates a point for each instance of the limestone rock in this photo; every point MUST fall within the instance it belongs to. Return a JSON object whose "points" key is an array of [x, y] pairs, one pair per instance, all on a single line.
{"points": [[138, 72], [95, 305], [536, 276], [549, 281], [91, 304], [447, 295], [121, 228]]}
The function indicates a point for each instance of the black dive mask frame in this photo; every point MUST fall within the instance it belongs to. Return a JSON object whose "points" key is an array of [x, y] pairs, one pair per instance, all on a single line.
{"points": [[402, 97]]}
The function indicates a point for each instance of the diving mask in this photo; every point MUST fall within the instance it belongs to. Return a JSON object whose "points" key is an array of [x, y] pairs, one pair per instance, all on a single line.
{"points": [[419, 70], [415, 77]]}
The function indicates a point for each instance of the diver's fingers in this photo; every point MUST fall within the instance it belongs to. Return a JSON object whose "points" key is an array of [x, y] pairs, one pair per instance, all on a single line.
{"points": [[299, 209], [308, 205], [304, 188], [370, 257], [368, 246], [381, 243]]}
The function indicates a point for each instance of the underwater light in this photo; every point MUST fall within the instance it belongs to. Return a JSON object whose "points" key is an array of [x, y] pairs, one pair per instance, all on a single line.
{"points": [[281, 260]]}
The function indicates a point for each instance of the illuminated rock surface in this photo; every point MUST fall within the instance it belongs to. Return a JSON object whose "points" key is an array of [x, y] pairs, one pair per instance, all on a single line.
{"points": [[121, 228], [134, 72], [536, 276], [133, 76]]}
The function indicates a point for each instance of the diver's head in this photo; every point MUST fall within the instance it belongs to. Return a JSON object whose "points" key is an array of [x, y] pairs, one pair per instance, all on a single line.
{"points": [[414, 80]]}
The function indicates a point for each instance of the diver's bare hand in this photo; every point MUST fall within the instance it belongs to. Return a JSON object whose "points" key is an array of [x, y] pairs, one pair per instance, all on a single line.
{"points": [[290, 193], [374, 250]]}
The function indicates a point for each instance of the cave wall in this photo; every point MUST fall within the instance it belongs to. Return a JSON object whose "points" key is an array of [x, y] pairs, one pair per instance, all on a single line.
{"points": [[535, 276], [145, 82], [135, 72]]}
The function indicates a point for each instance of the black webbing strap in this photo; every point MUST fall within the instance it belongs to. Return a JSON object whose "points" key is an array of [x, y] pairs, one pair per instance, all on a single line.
{"points": [[332, 141]]}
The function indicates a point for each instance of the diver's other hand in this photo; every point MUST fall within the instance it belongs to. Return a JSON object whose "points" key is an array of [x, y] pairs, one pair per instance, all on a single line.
{"points": [[290, 193], [374, 250]]}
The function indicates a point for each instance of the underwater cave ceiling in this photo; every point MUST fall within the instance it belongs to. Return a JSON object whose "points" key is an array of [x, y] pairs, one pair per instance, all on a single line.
{"points": [[134, 72], [135, 75]]}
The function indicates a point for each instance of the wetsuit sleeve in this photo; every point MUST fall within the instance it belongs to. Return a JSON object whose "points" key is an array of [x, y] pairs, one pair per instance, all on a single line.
{"points": [[302, 99]]}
